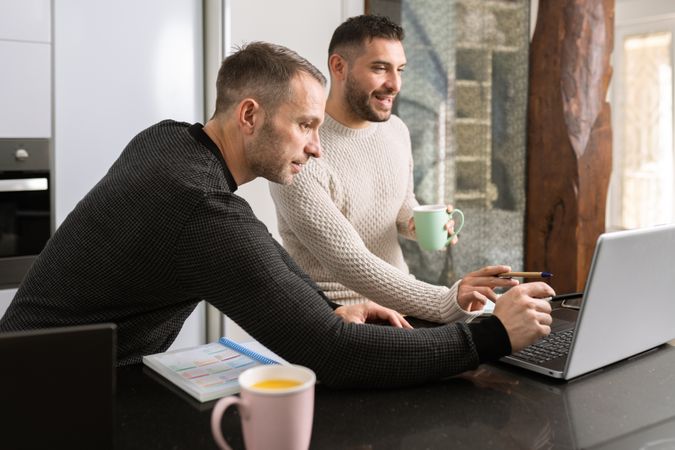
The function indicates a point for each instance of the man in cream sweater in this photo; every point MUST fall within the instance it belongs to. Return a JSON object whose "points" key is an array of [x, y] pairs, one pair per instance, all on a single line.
{"points": [[341, 218]]}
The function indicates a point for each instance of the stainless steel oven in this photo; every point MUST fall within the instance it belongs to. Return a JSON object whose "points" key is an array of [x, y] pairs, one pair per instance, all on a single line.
{"points": [[25, 206]]}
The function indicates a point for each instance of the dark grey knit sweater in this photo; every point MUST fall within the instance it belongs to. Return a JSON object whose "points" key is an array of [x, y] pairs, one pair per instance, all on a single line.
{"points": [[163, 230]]}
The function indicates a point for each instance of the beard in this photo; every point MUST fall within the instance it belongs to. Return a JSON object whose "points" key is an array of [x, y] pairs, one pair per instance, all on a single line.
{"points": [[359, 103], [263, 156]]}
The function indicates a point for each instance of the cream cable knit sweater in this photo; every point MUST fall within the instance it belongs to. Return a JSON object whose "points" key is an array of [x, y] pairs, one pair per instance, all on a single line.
{"points": [[341, 217]]}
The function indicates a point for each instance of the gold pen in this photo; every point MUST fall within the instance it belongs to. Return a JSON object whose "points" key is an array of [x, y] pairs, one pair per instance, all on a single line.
{"points": [[525, 275]]}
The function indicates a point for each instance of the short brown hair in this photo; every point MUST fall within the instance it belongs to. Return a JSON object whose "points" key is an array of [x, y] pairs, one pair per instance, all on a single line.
{"points": [[262, 71], [354, 32]]}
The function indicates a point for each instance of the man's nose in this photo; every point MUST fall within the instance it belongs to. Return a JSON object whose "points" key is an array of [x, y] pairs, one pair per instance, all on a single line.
{"points": [[393, 82], [313, 147]]}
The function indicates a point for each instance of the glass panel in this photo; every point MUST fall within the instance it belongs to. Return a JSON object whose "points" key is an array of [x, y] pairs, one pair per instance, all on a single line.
{"points": [[464, 99], [647, 163]]}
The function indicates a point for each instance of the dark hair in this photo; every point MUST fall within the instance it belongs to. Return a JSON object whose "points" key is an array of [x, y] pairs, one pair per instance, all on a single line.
{"points": [[262, 71], [355, 31]]}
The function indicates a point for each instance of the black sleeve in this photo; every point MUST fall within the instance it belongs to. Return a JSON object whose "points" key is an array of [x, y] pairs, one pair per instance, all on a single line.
{"points": [[226, 256], [491, 339], [292, 265]]}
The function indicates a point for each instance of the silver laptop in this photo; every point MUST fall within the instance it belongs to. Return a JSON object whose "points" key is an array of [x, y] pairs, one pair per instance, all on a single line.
{"points": [[628, 307]]}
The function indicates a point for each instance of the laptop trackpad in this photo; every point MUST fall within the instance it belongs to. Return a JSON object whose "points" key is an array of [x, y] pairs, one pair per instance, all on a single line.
{"points": [[563, 318]]}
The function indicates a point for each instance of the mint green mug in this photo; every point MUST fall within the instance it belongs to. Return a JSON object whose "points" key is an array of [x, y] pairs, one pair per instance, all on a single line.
{"points": [[430, 221]]}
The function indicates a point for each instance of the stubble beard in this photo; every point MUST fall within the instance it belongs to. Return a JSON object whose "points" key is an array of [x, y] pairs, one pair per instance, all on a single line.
{"points": [[264, 159], [359, 103]]}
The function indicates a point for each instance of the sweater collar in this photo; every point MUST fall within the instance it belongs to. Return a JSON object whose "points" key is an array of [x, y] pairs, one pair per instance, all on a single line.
{"points": [[353, 133], [197, 132]]}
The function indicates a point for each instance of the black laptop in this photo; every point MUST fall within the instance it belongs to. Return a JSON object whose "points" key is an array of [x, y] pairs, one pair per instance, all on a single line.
{"points": [[57, 388]]}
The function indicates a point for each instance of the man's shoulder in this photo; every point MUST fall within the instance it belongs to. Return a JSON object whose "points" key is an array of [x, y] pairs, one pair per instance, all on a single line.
{"points": [[316, 176], [166, 154], [170, 123], [165, 127], [315, 171], [397, 123], [167, 134]]}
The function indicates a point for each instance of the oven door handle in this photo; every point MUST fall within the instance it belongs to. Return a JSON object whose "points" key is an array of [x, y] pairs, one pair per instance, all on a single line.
{"points": [[24, 184]]}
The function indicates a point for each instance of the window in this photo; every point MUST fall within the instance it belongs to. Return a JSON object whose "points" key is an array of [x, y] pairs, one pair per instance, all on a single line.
{"points": [[642, 190]]}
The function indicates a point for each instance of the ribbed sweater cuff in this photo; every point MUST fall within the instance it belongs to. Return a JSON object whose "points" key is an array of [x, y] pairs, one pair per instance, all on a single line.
{"points": [[451, 311], [491, 339]]}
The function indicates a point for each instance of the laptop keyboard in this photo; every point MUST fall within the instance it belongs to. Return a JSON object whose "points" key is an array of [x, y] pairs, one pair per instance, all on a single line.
{"points": [[551, 347]]}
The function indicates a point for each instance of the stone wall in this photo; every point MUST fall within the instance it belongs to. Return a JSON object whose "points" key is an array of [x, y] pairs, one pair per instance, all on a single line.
{"points": [[464, 99]]}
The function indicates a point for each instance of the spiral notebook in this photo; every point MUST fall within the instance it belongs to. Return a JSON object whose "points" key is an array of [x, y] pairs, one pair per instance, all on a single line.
{"points": [[210, 371]]}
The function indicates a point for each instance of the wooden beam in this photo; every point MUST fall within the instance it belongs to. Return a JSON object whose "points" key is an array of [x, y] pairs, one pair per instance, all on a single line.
{"points": [[569, 139]]}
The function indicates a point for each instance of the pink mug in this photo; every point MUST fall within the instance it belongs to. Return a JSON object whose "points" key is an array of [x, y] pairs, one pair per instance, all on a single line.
{"points": [[271, 417]]}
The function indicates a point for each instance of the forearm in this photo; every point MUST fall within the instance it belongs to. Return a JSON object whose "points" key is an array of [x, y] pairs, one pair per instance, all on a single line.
{"points": [[352, 355], [356, 268], [383, 356]]}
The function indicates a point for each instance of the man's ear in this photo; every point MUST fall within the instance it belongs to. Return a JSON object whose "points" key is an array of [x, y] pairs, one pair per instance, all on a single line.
{"points": [[248, 115], [337, 66]]}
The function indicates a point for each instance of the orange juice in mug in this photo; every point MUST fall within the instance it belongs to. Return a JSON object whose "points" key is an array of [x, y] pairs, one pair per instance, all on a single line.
{"points": [[276, 384], [276, 406]]}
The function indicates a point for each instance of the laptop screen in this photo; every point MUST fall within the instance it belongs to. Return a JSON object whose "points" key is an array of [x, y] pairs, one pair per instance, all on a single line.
{"points": [[627, 305], [58, 387]]}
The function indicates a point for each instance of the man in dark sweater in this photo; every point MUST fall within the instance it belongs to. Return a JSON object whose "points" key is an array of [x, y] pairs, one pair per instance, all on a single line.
{"points": [[163, 230]]}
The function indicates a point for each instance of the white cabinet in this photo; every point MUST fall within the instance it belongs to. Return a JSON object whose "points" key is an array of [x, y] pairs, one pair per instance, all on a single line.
{"points": [[25, 20], [25, 90], [25, 78]]}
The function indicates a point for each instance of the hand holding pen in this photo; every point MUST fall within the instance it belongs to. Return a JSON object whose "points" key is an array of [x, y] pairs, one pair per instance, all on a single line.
{"points": [[477, 287], [556, 298]]}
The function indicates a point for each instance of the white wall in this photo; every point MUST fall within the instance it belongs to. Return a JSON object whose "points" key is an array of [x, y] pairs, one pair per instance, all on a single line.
{"points": [[627, 11]]}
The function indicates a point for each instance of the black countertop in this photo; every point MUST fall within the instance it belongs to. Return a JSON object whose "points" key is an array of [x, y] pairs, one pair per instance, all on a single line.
{"points": [[628, 405]]}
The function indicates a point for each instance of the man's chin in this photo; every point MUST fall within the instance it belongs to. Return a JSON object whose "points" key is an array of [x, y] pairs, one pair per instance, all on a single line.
{"points": [[380, 117], [284, 181]]}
